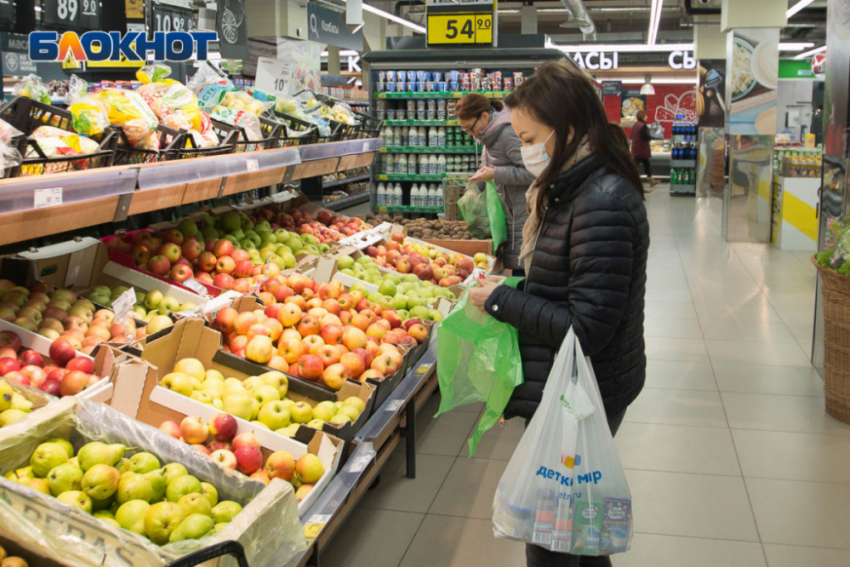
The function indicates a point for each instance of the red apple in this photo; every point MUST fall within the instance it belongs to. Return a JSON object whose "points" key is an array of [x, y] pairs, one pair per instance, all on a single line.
{"points": [[248, 459], [224, 281], [73, 383], [223, 427], [61, 351], [52, 387], [207, 261], [11, 340], [223, 248], [159, 265], [180, 273], [170, 428], [8, 364]]}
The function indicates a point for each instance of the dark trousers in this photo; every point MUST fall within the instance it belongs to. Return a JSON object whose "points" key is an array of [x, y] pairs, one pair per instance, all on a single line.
{"points": [[645, 163], [536, 556]]}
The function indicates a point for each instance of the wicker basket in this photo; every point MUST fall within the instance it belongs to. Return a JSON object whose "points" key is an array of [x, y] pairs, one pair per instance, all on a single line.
{"points": [[836, 317]]}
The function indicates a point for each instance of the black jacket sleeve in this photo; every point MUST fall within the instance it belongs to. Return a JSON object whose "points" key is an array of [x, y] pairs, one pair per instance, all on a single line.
{"points": [[601, 256], [644, 132]]}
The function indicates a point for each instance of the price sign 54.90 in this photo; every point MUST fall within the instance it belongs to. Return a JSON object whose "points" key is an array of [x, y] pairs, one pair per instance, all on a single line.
{"points": [[452, 28]]}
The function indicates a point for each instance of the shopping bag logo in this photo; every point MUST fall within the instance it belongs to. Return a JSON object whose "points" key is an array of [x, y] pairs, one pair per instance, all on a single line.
{"points": [[571, 462]]}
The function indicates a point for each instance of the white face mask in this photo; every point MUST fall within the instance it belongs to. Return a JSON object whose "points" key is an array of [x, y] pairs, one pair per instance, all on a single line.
{"points": [[535, 158]]}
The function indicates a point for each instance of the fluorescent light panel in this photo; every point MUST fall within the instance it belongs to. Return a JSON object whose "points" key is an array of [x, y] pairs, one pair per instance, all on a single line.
{"points": [[393, 18], [812, 52], [797, 7], [654, 20], [658, 47]]}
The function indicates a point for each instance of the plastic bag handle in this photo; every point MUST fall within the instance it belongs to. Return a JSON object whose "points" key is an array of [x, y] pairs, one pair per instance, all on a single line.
{"points": [[233, 548]]}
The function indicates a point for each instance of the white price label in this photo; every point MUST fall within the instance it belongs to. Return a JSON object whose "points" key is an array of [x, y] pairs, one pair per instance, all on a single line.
{"points": [[395, 405], [359, 464], [252, 165], [319, 519], [123, 304], [366, 146], [196, 286], [275, 76], [47, 197]]}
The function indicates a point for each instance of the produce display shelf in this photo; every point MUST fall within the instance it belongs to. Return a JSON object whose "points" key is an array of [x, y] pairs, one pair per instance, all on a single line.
{"points": [[409, 177], [345, 181], [346, 202], [408, 209], [683, 163], [420, 123], [428, 149], [51, 204], [377, 440], [407, 95]]}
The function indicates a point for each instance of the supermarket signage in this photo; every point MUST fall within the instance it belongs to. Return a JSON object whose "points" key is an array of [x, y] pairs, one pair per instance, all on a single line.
{"points": [[327, 26], [98, 46], [605, 60], [71, 14], [276, 76], [461, 22], [171, 15], [14, 47]]}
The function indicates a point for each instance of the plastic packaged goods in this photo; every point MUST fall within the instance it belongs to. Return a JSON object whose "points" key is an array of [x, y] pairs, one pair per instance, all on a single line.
{"points": [[433, 137], [411, 164], [174, 104], [414, 195], [473, 209], [267, 527], [55, 141], [564, 488], [432, 164], [88, 116], [32, 87], [478, 360], [129, 111], [248, 121], [441, 164], [381, 194], [240, 100], [441, 136], [7, 132], [432, 196], [423, 164], [397, 195], [440, 199]]}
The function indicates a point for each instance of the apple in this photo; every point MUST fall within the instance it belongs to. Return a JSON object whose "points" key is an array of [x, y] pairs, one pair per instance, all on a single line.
{"points": [[81, 363], [9, 364], [335, 375], [180, 273], [308, 326], [11, 340], [310, 367], [159, 265], [141, 254], [224, 281], [36, 374], [224, 459], [223, 427], [194, 430], [73, 383], [355, 363], [52, 387], [61, 351], [312, 344], [291, 350], [223, 248], [280, 464], [207, 261], [225, 265], [246, 439], [225, 320], [332, 334], [259, 349], [329, 355]]}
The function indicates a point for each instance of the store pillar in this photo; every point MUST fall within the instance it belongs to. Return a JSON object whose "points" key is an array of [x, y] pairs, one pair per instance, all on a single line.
{"points": [[333, 60], [752, 63], [529, 20]]}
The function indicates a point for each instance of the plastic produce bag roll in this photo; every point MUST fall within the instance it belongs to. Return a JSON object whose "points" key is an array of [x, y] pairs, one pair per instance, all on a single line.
{"points": [[268, 526]]}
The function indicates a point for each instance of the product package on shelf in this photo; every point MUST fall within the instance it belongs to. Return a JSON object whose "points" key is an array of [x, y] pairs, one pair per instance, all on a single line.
{"points": [[153, 403], [262, 518]]}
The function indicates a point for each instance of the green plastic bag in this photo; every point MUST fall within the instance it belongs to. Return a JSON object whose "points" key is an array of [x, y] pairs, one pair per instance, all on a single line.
{"points": [[473, 209], [496, 216], [477, 361]]}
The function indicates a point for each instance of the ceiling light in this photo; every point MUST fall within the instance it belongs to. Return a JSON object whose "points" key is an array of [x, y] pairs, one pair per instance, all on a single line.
{"points": [[625, 47], [654, 20], [792, 46], [656, 81], [647, 88], [806, 54], [393, 18], [797, 7], [342, 53]]}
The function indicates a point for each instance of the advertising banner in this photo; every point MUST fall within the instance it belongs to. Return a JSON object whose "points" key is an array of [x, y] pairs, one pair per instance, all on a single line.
{"points": [[711, 110], [752, 61]]}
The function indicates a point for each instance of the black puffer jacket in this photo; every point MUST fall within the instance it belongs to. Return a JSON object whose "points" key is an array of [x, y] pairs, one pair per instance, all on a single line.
{"points": [[589, 272]]}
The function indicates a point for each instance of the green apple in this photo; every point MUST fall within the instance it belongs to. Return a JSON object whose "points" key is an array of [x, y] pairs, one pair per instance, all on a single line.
{"points": [[131, 516], [38, 484], [195, 503], [225, 511], [316, 424], [178, 382], [340, 419], [252, 383], [161, 520], [278, 380], [134, 486], [387, 288], [350, 411], [210, 493], [181, 486], [168, 305], [275, 414], [399, 302], [142, 463], [103, 514], [234, 386], [345, 262], [153, 298], [76, 499], [46, 457], [324, 411], [63, 478], [239, 405]]}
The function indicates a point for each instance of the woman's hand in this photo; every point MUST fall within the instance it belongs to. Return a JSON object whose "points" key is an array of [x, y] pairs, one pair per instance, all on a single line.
{"points": [[481, 292], [484, 174]]}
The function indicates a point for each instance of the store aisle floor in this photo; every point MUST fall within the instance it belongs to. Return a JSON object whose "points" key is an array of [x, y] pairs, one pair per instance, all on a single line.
{"points": [[729, 454]]}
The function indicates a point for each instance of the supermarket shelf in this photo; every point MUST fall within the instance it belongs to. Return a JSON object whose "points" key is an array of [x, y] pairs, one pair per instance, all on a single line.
{"points": [[346, 202], [409, 177], [407, 95], [420, 123], [98, 196], [408, 209], [428, 149], [683, 163], [345, 181]]}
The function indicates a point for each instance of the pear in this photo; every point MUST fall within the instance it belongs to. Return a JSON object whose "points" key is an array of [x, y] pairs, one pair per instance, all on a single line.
{"points": [[68, 447], [46, 457], [133, 486], [40, 485], [194, 526], [20, 403], [97, 453], [100, 482], [63, 478], [10, 416], [159, 483], [195, 504], [131, 516], [174, 470], [210, 493], [142, 463]]}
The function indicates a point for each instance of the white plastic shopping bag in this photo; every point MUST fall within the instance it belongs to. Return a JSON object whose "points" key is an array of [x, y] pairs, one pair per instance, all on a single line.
{"points": [[564, 488]]}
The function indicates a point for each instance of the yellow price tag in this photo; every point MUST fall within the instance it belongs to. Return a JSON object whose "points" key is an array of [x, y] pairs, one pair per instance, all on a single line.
{"points": [[460, 28], [312, 530]]}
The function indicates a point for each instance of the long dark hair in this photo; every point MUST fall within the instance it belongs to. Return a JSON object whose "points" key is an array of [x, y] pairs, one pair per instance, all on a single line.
{"points": [[561, 97], [474, 105]]}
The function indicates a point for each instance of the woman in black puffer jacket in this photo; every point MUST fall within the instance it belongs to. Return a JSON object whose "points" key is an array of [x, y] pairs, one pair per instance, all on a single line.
{"points": [[584, 250]]}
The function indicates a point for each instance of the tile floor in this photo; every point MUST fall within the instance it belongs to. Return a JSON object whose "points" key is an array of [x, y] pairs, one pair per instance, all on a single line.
{"points": [[730, 456]]}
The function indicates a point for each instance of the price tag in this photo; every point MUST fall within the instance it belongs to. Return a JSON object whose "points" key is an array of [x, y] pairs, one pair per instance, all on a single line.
{"points": [[47, 197], [366, 146], [359, 464], [123, 304], [395, 405], [71, 14], [252, 165], [312, 530], [423, 369], [172, 15], [196, 286], [275, 76]]}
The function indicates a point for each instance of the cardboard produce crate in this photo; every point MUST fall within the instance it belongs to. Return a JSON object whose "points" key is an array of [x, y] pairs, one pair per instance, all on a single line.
{"points": [[150, 403], [268, 526]]}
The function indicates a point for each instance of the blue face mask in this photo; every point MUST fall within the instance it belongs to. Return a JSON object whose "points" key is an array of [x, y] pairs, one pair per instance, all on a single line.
{"points": [[535, 158]]}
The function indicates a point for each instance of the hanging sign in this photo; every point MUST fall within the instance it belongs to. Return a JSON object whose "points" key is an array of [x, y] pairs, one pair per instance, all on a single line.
{"points": [[71, 14], [171, 15], [328, 26], [461, 22]]}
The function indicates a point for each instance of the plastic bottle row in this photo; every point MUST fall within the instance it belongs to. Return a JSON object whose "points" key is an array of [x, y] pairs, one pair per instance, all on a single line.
{"points": [[424, 164], [390, 195], [683, 176], [435, 136]]}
